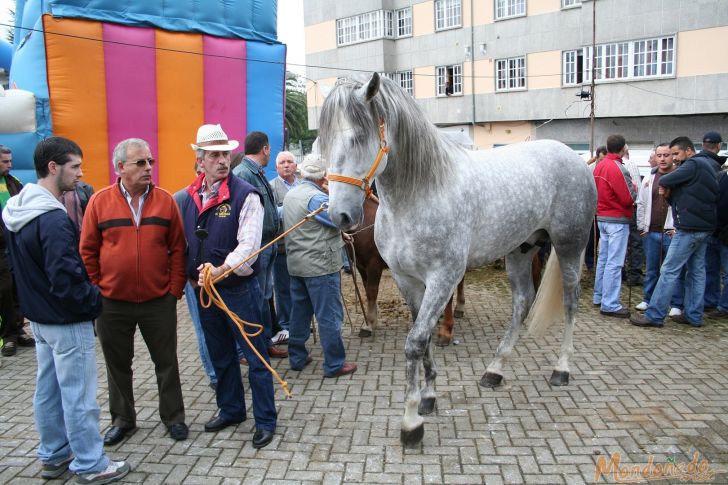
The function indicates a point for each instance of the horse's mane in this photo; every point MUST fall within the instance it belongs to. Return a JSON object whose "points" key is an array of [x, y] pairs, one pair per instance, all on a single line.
{"points": [[420, 157]]}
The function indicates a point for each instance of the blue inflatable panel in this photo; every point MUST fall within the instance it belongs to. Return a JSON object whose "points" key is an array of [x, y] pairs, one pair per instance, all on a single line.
{"points": [[6, 55], [267, 74], [245, 19], [23, 146], [29, 63]]}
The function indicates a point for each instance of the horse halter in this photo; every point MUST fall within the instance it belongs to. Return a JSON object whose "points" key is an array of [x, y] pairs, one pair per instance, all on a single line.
{"points": [[364, 183]]}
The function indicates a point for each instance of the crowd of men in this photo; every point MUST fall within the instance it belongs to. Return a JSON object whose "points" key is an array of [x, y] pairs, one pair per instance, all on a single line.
{"points": [[680, 212], [121, 259]]}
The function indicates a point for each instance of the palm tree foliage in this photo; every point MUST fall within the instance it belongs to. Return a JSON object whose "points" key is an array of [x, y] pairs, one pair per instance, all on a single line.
{"points": [[296, 117]]}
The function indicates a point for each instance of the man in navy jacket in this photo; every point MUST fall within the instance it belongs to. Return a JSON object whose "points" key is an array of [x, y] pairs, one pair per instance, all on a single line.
{"points": [[57, 296]]}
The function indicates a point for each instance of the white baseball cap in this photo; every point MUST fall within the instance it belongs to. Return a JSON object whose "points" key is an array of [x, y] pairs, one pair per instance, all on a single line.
{"points": [[212, 138]]}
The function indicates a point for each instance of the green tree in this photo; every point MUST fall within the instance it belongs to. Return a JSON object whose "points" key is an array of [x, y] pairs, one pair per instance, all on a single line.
{"points": [[296, 117], [11, 30]]}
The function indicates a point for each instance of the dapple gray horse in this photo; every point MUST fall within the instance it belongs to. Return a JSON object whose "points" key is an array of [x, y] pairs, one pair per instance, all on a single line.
{"points": [[444, 210]]}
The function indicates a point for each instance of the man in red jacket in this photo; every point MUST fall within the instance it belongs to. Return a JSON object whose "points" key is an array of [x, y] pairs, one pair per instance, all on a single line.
{"points": [[133, 244], [615, 199]]}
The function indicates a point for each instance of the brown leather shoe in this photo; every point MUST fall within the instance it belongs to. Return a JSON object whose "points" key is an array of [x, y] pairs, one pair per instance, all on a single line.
{"points": [[347, 368], [277, 353]]}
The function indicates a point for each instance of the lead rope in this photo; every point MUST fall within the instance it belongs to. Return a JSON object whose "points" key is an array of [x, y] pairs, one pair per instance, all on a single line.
{"points": [[356, 285], [208, 288]]}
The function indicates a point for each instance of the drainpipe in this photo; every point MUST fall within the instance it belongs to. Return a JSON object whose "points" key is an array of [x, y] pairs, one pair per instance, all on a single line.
{"points": [[472, 65]]}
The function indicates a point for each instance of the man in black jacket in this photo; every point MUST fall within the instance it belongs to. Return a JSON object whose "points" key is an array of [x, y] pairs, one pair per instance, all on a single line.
{"points": [[60, 301], [692, 190]]}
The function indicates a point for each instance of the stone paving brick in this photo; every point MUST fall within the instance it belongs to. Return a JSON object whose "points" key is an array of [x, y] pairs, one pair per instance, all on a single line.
{"points": [[632, 391]]}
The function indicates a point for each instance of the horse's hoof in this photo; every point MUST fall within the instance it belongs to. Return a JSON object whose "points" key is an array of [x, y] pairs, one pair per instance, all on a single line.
{"points": [[459, 313], [442, 341], [427, 405], [559, 378], [491, 379], [412, 438], [365, 332]]}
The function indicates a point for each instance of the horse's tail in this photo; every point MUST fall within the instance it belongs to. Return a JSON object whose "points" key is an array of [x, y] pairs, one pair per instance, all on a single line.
{"points": [[548, 307]]}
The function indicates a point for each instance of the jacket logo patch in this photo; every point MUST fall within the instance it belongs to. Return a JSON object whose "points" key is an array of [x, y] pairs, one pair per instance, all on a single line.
{"points": [[222, 211]]}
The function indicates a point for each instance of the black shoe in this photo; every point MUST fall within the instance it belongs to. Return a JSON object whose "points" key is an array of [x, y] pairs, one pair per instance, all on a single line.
{"points": [[643, 321], [178, 431], [262, 437], [217, 423], [716, 314], [682, 319], [621, 313], [26, 340], [116, 433], [9, 349]]}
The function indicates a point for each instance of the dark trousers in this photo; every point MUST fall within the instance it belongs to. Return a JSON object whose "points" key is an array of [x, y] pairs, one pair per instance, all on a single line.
{"points": [[221, 336], [8, 321], [157, 321]]}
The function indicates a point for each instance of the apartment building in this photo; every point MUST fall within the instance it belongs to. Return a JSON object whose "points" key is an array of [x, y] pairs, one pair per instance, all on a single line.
{"points": [[504, 71]]}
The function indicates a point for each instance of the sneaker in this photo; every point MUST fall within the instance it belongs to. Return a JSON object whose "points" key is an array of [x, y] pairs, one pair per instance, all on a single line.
{"points": [[115, 471], [642, 306], [280, 338], [51, 471], [621, 313], [675, 312], [9, 349]]}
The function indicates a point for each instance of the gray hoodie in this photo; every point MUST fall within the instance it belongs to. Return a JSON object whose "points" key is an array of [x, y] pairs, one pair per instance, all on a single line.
{"points": [[32, 201]]}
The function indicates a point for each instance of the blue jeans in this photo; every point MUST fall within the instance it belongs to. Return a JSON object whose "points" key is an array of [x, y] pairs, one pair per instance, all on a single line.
{"points": [[656, 245], [265, 283], [320, 296], [712, 272], [282, 285], [723, 301], [64, 405], [613, 239], [191, 296], [687, 249], [223, 339]]}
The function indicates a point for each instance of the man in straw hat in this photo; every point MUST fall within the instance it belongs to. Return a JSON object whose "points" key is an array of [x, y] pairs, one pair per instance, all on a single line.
{"points": [[314, 261], [223, 220]]}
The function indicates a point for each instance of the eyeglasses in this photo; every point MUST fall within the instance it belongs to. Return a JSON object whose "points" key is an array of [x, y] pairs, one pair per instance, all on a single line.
{"points": [[142, 162]]}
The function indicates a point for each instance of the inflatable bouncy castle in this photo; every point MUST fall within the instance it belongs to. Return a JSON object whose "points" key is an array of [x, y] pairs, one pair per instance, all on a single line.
{"points": [[100, 71]]}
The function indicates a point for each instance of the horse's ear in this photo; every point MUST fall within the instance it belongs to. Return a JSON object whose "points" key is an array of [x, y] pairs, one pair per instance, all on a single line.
{"points": [[370, 89]]}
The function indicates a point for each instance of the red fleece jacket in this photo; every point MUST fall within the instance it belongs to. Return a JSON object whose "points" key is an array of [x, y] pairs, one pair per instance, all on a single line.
{"points": [[615, 191]]}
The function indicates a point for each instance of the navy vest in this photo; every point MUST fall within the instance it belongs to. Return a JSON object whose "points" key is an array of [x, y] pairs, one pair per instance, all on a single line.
{"points": [[220, 222]]}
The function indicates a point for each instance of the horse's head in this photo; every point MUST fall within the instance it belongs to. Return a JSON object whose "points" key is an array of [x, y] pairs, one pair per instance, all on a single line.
{"points": [[350, 139]]}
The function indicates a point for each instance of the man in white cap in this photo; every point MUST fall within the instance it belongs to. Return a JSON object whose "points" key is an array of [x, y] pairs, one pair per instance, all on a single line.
{"points": [[314, 261], [223, 221]]}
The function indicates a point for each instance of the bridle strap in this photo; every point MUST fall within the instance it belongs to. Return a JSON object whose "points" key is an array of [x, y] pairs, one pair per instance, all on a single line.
{"points": [[364, 183]]}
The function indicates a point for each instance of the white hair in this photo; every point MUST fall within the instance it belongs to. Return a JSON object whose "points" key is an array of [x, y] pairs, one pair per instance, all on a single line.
{"points": [[120, 151]]}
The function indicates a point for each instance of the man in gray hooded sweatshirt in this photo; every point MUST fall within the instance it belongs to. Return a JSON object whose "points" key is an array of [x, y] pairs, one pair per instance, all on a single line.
{"points": [[58, 298]]}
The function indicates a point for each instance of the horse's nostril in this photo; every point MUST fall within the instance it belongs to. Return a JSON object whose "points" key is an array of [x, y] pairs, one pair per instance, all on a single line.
{"points": [[345, 220]]}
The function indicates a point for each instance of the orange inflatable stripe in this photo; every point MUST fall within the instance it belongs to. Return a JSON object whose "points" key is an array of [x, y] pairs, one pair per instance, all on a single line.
{"points": [[77, 86], [180, 106]]}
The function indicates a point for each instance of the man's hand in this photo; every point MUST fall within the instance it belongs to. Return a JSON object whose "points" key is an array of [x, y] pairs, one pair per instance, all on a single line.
{"points": [[664, 191], [215, 271], [347, 237]]}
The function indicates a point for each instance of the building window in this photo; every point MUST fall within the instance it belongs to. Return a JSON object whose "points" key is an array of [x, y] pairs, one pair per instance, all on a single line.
{"points": [[447, 14], [404, 21], [405, 81], [361, 28], [638, 59], [570, 3], [510, 74], [449, 80], [509, 8], [573, 67]]}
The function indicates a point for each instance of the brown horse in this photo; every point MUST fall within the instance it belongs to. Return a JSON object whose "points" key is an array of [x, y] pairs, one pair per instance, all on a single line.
{"points": [[370, 265]]}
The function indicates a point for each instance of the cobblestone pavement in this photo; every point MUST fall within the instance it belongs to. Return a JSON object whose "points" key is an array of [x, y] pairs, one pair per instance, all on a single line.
{"points": [[634, 391]]}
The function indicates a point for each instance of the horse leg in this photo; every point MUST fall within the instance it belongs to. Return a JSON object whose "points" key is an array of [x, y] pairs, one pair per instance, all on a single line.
{"points": [[418, 343], [570, 273], [366, 327], [374, 276], [460, 306], [444, 332], [427, 394], [518, 265]]}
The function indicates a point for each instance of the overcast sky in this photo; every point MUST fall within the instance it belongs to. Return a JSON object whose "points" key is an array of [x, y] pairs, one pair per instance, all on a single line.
{"points": [[290, 29]]}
